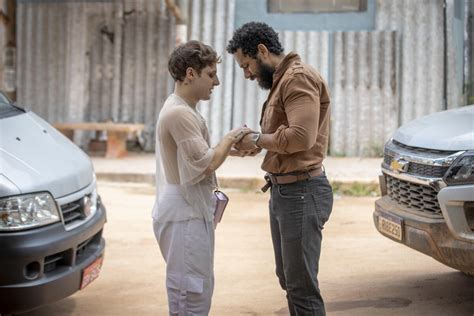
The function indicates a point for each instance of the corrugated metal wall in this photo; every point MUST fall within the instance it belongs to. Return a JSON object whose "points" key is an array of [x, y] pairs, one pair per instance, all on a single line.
{"points": [[212, 21], [95, 61], [42, 57], [420, 28], [98, 61], [379, 79], [365, 92], [147, 40]]}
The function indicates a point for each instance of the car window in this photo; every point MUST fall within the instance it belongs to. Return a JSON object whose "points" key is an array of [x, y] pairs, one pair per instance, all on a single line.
{"points": [[6, 109]]}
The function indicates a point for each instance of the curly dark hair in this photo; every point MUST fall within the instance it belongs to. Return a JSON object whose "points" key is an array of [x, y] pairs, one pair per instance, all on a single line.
{"points": [[192, 54], [249, 35]]}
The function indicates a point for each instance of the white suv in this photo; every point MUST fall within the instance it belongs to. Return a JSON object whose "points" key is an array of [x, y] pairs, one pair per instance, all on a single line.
{"points": [[428, 187]]}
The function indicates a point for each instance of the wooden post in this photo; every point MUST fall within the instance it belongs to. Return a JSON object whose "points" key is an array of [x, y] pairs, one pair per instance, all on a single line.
{"points": [[116, 144]]}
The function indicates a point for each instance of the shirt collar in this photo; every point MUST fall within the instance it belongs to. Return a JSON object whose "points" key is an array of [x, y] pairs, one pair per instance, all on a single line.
{"points": [[281, 68]]}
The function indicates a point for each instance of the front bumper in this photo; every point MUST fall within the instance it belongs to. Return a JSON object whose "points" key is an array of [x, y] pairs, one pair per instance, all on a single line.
{"points": [[430, 236], [44, 265], [452, 201]]}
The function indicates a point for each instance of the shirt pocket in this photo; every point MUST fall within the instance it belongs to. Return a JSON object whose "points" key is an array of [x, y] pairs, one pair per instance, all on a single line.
{"points": [[274, 116]]}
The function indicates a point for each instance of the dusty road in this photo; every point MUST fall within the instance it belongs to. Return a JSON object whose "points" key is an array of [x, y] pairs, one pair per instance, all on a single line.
{"points": [[361, 272]]}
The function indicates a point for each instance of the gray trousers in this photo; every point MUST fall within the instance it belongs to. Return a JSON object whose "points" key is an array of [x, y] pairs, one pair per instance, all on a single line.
{"points": [[188, 249], [298, 212]]}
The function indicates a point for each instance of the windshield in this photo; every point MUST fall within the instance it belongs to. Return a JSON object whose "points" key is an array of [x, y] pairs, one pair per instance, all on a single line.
{"points": [[6, 109]]}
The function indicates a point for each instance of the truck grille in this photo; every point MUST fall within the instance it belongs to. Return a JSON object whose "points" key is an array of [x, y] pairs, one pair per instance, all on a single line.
{"points": [[414, 196], [426, 170], [421, 169]]}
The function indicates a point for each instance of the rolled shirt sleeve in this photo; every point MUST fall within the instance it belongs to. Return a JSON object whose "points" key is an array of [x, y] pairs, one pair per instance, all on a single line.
{"points": [[301, 102]]}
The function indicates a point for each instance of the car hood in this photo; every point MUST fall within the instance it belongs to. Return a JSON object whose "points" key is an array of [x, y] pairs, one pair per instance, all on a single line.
{"points": [[34, 157], [451, 130]]}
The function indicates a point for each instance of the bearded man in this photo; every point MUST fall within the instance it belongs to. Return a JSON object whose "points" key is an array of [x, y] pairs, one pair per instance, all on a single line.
{"points": [[294, 131]]}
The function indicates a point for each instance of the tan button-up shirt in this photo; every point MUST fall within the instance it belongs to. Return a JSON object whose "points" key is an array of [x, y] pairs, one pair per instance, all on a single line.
{"points": [[296, 114]]}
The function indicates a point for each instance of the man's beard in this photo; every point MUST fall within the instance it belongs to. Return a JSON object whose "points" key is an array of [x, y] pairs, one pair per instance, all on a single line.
{"points": [[265, 74]]}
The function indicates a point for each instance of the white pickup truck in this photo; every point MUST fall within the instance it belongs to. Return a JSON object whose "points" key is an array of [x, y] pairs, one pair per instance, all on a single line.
{"points": [[427, 186]]}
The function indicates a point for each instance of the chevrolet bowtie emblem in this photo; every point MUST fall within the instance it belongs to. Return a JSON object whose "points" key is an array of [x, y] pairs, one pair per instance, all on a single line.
{"points": [[399, 165]]}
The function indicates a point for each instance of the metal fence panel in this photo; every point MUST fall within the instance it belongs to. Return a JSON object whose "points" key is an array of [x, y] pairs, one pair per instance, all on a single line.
{"points": [[212, 22], [419, 25], [365, 96], [95, 61]]}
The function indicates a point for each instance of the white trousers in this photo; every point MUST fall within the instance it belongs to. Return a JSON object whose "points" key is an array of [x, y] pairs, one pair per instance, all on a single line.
{"points": [[188, 249]]}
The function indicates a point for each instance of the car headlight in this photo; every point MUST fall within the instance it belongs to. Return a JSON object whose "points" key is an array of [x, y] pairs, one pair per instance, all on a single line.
{"points": [[462, 170], [27, 211]]}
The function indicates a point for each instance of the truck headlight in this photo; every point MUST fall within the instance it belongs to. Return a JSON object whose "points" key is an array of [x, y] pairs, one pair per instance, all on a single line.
{"points": [[27, 211], [462, 170]]}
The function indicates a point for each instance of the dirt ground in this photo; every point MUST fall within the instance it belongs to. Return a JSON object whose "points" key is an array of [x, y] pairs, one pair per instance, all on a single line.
{"points": [[361, 272]]}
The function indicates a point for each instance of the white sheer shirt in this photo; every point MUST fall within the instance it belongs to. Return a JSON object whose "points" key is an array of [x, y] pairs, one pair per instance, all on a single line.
{"points": [[183, 153]]}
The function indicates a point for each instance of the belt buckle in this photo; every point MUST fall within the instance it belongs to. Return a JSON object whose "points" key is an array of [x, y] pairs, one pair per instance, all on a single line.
{"points": [[268, 183]]}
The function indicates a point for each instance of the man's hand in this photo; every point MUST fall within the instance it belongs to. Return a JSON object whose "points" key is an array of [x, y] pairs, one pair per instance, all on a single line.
{"points": [[247, 143], [254, 152], [237, 134], [244, 153], [236, 153]]}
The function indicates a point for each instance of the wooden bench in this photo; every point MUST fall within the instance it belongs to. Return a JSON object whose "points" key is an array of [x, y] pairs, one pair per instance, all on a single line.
{"points": [[116, 134]]}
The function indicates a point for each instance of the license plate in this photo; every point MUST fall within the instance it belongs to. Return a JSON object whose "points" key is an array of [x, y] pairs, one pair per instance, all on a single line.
{"points": [[391, 225], [91, 272]]}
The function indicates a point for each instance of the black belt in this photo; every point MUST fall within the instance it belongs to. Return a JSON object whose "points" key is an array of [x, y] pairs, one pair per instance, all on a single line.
{"points": [[290, 177]]}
